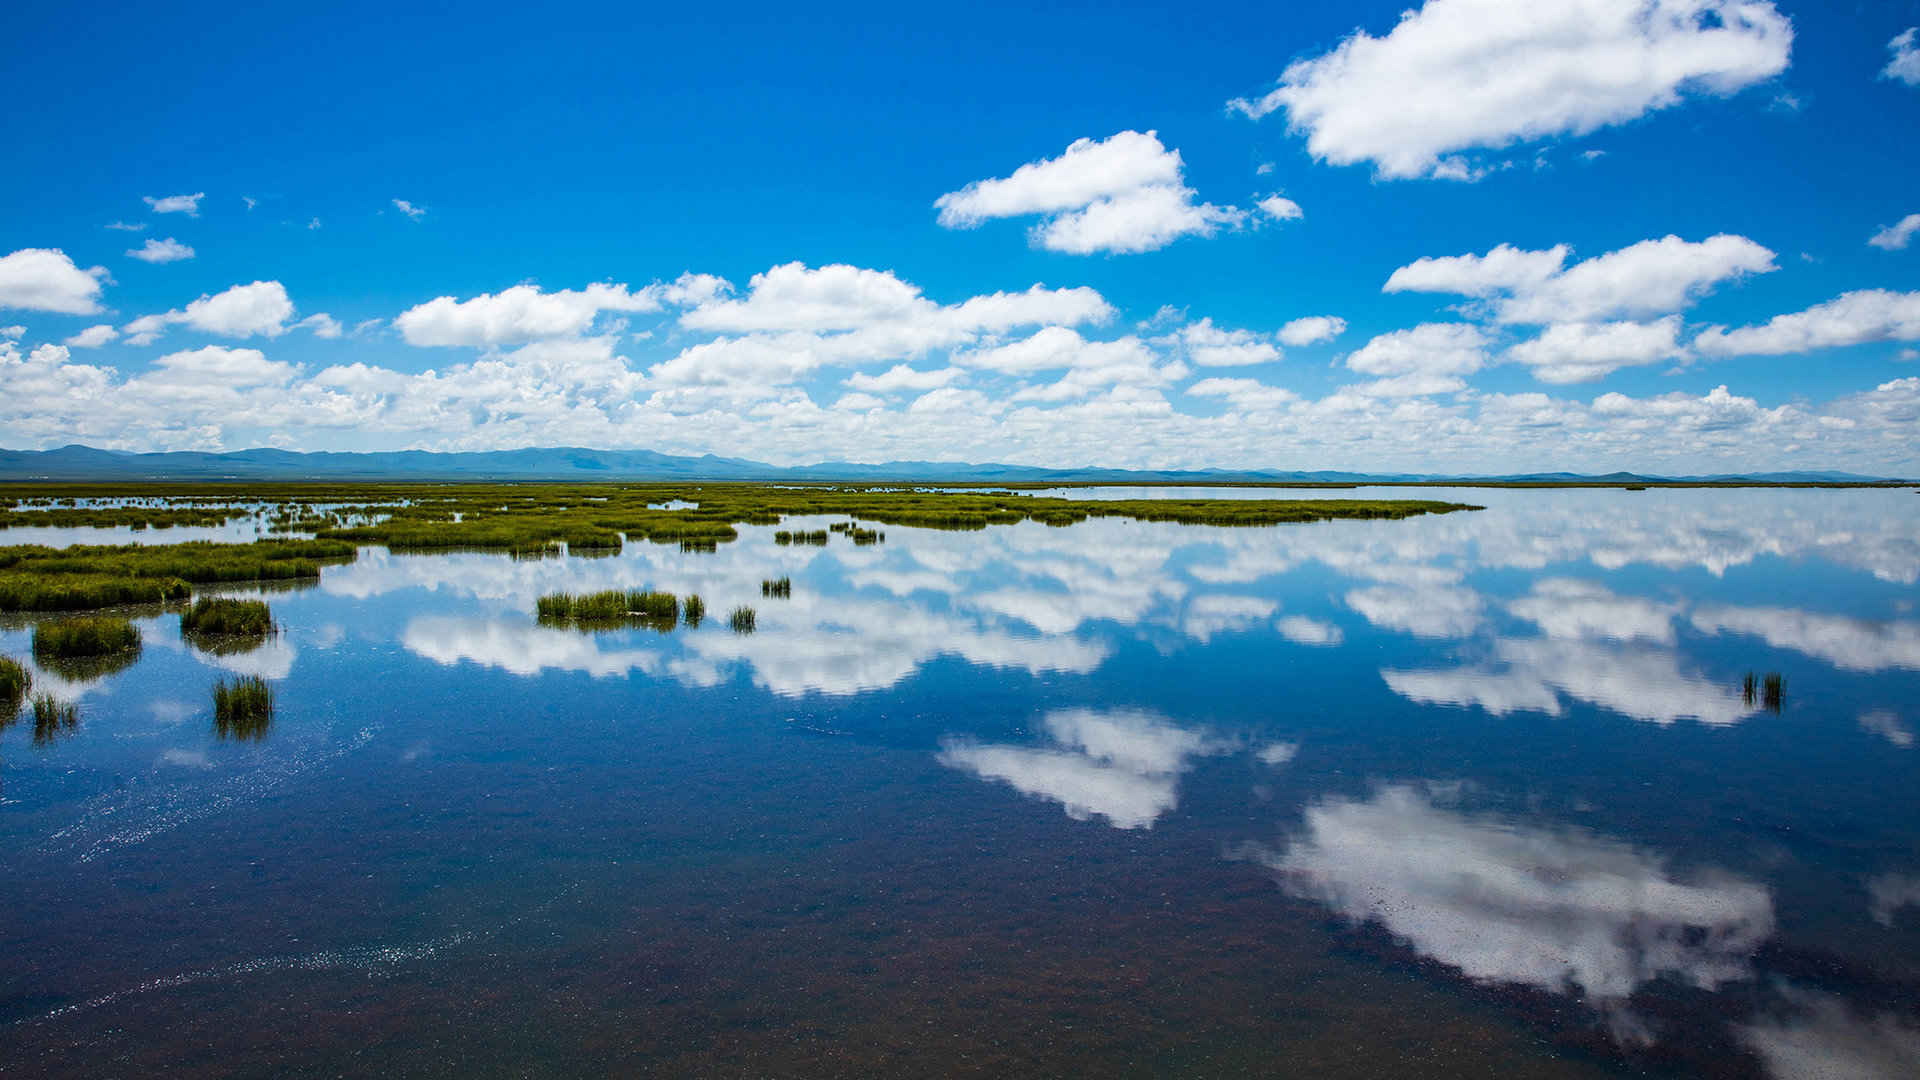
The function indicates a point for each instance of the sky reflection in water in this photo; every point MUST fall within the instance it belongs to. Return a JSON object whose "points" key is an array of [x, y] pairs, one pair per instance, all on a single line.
{"points": [[1492, 775]]}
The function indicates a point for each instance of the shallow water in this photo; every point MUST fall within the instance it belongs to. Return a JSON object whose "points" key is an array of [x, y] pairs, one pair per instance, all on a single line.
{"points": [[1479, 794]]}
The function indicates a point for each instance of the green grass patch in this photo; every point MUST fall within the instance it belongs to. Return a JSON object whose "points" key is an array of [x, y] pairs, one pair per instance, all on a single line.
{"points": [[693, 610], [612, 608], [780, 587], [220, 616], [741, 620], [242, 707], [37, 578], [88, 647]]}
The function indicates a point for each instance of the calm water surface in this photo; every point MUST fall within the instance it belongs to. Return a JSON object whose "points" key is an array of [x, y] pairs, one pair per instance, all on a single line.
{"points": [[1480, 794]]}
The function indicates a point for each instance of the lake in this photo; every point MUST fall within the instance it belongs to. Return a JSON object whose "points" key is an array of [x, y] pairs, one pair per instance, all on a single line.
{"points": [[1485, 793]]}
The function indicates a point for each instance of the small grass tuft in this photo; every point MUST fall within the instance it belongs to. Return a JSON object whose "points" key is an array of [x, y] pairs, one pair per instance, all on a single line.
{"points": [[242, 708], [741, 620], [52, 718], [88, 647], [781, 587], [694, 610]]}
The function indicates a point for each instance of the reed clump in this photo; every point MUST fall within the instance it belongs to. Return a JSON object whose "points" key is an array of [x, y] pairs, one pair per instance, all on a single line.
{"points": [[694, 610], [816, 538], [741, 620], [780, 587], [88, 647], [242, 707], [52, 718]]}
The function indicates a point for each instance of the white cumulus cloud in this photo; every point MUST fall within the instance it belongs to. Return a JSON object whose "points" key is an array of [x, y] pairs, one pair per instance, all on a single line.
{"points": [[1583, 352], [1457, 75], [1853, 318], [1312, 330], [92, 337], [1905, 62], [45, 279], [1123, 194], [517, 315]]}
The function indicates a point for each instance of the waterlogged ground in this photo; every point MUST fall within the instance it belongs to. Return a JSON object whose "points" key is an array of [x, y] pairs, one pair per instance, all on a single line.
{"points": [[1478, 794]]}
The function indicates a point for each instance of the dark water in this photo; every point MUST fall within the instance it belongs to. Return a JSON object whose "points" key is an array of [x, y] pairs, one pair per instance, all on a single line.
{"points": [[1481, 794]]}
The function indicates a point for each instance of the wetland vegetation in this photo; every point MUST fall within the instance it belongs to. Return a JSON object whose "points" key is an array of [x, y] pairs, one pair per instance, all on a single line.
{"points": [[53, 718], [242, 707], [613, 608], [15, 681]]}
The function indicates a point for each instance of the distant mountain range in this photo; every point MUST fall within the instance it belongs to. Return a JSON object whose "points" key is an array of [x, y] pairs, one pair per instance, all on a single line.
{"points": [[577, 463]]}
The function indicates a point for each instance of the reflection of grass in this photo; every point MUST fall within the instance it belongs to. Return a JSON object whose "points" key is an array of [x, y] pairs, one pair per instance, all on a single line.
{"points": [[614, 607], [1768, 693], [242, 708], [782, 586], [741, 620], [817, 538], [694, 610], [15, 681], [52, 718]]}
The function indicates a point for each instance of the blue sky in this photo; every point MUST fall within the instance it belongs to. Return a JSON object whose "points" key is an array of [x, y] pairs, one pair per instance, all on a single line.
{"points": [[1301, 236]]}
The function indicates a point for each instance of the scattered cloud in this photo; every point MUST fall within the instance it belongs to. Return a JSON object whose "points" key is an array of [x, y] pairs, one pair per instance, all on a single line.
{"points": [[1896, 237], [1207, 345], [1427, 349], [176, 204], [161, 251], [1280, 208], [92, 337], [407, 208], [1905, 62], [45, 279], [1652, 277], [1853, 318], [901, 377], [123, 226], [1312, 330], [1121, 195], [1460, 75], [322, 324], [250, 201]]}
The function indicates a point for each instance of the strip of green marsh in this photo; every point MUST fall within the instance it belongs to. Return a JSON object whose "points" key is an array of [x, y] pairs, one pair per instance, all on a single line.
{"points": [[617, 607], [38, 578], [538, 519], [219, 616]]}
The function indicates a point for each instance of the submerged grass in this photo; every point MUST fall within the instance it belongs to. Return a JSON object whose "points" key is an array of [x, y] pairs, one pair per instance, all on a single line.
{"points": [[52, 718], [242, 708]]}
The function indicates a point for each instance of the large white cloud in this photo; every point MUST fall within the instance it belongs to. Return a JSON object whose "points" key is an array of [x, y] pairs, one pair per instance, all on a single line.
{"points": [[1854, 318], [261, 308], [1126, 193], [1652, 277], [45, 279], [1458, 75], [520, 314]]}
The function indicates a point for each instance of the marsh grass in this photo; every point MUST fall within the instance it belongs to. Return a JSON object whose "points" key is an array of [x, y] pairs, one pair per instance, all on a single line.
{"points": [[220, 616], [694, 610], [609, 609], [52, 718], [781, 587], [38, 578], [15, 681], [816, 538], [741, 620], [242, 707], [1767, 692], [88, 647]]}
